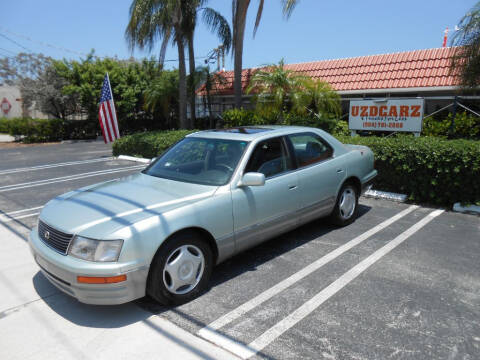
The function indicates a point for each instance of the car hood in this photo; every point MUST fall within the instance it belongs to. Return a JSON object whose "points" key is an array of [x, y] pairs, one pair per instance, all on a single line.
{"points": [[98, 210]]}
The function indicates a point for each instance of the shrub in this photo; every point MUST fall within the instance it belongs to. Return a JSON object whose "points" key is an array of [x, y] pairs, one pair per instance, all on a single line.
{"points": [[36, 130], [4, 125], [242, 117], [466, 126], [148, 144], [429, 170], [80, 129]]}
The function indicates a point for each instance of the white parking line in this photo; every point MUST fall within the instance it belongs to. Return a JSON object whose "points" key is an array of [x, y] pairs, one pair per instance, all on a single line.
{"points": [[4, 219], [49, 166], [18, 214], [67, 178], [23, 210], [209, 332], [246, 351]]}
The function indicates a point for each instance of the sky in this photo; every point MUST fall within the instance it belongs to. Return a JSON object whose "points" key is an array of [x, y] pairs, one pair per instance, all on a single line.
{"points": [[317, 29]]}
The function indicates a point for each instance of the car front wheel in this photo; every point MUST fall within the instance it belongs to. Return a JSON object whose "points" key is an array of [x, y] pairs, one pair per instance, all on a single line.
{"points": [[345, 210], [180, 270]]}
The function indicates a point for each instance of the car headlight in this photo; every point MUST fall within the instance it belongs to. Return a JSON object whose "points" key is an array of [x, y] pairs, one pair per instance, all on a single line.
{"points": [[95, 250]]}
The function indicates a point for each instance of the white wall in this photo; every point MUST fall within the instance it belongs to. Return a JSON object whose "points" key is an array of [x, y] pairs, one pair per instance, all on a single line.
{"points": [[12, 94], [14, 97]]}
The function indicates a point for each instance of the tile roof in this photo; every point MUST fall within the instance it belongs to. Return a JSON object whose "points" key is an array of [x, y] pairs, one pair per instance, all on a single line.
{"points": [[419, 68]]}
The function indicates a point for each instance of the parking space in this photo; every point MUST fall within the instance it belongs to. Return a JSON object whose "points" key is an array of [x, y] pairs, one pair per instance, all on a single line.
{"points": [[402, 282]]}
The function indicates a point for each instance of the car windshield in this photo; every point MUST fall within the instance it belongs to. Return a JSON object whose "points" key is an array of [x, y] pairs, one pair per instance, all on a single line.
{"points": [[199, 160]]}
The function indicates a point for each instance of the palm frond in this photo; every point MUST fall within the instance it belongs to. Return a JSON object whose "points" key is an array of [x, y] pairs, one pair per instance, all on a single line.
{"points": [[288, 7], [219, 25], [258, 17]]}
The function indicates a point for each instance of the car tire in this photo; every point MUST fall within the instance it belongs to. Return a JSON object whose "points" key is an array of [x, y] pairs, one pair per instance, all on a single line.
{"points": [[345, 210], [180, 270]]}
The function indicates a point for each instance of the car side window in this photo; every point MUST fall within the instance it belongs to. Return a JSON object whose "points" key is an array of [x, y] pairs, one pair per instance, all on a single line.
{"points": [[270, 158], [310, 148]]}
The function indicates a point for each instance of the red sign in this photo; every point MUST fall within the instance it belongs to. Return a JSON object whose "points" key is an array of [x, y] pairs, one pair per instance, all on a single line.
{"points": [[6, 106]]}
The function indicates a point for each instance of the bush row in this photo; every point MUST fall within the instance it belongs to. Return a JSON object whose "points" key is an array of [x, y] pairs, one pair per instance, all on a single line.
{"points": [[148, 144], [242, 117], [429, 170], [42, 130]]}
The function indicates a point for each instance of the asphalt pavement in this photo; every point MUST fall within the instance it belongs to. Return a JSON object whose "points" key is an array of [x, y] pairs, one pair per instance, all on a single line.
{"points": [[402, 282]]}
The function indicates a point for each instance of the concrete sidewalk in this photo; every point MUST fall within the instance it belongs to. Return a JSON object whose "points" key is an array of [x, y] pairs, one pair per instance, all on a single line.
{"points": [[39, 322]]}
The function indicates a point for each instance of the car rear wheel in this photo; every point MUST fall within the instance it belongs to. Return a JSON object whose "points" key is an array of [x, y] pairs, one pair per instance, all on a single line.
{"points": [[180, 270], [345, 211]]}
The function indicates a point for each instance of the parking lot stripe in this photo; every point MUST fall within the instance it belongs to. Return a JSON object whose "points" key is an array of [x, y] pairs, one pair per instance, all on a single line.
{"points": [[66, 178], [49, 166], [278, 329], [209, 333], [22, 211], [4, 219]]}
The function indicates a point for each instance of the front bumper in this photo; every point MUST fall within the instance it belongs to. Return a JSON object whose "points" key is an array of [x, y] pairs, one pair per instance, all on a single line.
{"points": [[62, 271]]}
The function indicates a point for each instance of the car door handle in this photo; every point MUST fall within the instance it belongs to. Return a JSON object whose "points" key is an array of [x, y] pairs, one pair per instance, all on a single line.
{"points": [[339, 171], [291, 187]]}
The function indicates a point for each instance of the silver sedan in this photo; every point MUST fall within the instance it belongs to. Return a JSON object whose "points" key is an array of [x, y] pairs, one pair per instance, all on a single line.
{"points": [[210, 196]]}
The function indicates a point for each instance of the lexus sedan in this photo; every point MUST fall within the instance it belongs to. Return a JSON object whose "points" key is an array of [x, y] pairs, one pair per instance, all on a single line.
{"points": [[210, 196]]}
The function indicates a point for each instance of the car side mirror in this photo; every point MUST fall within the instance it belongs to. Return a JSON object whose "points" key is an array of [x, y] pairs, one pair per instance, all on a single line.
{"points": [[252, 179]]}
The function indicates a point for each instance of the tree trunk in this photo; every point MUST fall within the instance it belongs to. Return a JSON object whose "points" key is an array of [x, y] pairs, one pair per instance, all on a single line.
{"points": [[182, 86], [191, 82], [238, 35]]}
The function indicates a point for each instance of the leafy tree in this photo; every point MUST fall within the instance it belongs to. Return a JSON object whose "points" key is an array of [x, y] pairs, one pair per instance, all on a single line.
{"points": [[130, 81], [39, 84], [161, 95], [466, 60], [239, 17]]}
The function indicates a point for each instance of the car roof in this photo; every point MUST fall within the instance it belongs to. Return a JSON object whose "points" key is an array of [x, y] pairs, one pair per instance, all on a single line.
{"points": [[249, 133]]}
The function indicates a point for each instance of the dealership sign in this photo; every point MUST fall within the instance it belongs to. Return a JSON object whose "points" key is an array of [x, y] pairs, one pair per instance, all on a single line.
{"points": [[386, 115]]}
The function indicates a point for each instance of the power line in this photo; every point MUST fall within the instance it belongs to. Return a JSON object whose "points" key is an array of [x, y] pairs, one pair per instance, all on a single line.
{"points": [[11, 52], [16, 43], [45, 44]]}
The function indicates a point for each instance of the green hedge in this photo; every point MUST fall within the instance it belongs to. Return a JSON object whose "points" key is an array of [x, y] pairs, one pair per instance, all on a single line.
{"points": [[242, 117], [466, 126], [36, 130], [148, 144], [42, 130], [429, 170]]}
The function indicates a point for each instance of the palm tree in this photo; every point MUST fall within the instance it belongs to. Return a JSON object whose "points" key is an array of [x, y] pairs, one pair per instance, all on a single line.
{"points": [[280, 90], [151, 20], [216, 23], [466, 59], [239, 17]]}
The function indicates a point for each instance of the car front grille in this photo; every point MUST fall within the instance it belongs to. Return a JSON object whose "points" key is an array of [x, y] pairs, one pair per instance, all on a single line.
{"points": [[54, 238]]}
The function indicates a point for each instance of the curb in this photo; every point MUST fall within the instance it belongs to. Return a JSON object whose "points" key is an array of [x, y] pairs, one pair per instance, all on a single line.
{"points": [[385, 195], [469, 209], [133, 158]]}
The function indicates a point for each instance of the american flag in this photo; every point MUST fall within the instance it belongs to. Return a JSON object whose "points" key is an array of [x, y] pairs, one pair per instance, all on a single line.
{"points": [[106, 113]]}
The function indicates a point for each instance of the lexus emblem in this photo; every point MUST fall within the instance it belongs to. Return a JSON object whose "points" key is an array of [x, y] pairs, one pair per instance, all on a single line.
{"points": [[46, 235]]}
